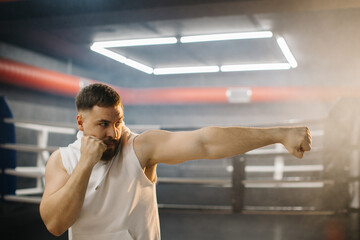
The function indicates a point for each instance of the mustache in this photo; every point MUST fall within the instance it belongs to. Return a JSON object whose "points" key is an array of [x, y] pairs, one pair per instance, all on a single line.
{"points": [[110, 141]]}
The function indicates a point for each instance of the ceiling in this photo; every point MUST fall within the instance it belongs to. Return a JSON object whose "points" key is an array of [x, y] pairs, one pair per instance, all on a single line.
{"points": [[323, 36]]}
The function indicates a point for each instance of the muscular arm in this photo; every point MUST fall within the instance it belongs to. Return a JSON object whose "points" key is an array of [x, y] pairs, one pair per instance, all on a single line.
{"points": [[217, 142], [64, 195]]}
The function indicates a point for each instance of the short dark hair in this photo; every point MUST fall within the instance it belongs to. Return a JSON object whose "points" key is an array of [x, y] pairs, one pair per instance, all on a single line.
{"points": [[97, 94]]}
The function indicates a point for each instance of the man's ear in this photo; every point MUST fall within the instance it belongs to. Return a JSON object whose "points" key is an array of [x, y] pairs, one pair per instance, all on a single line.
{"points": [[80, 121]]}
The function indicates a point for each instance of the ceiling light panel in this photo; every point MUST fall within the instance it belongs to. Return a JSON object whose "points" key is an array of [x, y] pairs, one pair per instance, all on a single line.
{"points": [[153, 67]]}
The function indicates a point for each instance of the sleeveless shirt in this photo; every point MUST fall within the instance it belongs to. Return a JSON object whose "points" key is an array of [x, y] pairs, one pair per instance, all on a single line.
{"points": [[120, 201]]}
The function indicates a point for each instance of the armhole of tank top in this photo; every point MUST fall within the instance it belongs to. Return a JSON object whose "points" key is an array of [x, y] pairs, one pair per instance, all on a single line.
{"points": [[138, 161], [66, 165]]}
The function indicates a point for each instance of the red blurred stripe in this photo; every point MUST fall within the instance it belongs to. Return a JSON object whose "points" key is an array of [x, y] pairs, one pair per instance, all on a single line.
{"points": [[24, 75], [315, 93], [176, 95]]}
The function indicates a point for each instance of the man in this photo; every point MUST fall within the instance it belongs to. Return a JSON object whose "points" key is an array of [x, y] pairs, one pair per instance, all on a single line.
{"points": [[103, 185]]}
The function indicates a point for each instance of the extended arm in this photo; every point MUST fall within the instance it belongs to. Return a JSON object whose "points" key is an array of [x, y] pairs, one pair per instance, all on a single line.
{"points": [[64, 195], [217, 142]]}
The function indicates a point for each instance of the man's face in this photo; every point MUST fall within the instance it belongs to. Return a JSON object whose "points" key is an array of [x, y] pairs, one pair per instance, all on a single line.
{"points": [[104, 123]]}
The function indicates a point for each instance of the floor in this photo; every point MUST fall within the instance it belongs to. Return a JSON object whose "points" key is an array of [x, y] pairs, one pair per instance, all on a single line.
{"points": [[211, 226], [22, 221]]}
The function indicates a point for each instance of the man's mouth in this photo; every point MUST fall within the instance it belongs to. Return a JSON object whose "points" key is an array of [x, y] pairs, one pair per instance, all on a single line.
{"points": [[110, 143]]}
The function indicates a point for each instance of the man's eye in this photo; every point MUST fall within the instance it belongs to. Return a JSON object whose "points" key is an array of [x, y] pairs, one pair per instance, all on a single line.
{"points": [[103, 124]]}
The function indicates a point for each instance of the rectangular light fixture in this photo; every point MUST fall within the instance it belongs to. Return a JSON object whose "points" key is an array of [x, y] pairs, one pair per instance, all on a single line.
{"points": [[136, 42], [103, 48], [255, 67], [226, 36], [182, 70], [286, 51]]}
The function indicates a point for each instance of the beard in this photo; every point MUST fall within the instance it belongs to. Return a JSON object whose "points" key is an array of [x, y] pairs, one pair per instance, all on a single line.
{"points": [[110, 152]]}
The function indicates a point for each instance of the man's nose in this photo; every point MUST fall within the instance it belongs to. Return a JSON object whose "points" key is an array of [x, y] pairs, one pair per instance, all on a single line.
{"points": [[113, 132]]}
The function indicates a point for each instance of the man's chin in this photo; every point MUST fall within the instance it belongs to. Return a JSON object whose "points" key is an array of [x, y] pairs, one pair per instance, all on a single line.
{"points": [[110, 152], [108, 155]]}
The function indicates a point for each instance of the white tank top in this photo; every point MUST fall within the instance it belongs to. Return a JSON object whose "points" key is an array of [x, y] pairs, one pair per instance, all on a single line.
{"points": [[120, 201]]}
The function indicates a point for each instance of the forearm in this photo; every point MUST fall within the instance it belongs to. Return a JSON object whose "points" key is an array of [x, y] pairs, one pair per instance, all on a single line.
{"points": [[221, 142], [61, 209]]}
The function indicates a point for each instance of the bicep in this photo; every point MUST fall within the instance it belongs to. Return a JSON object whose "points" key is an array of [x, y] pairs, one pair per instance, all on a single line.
{"points": [[157, 146], [55, 174]]}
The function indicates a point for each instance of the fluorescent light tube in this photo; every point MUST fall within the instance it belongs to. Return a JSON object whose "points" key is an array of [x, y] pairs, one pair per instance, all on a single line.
{"points": [[182, 70], [117, 57], [226, 36], [137, 42], [286, 51], [110, 54], [138, 66], [255, 67]]}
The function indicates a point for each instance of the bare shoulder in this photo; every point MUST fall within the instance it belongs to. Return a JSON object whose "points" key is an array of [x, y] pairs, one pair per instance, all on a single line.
{"points": [[141, 147], [145, 144], [150, 138], [159, 146], [55, 173], [55, 161]]}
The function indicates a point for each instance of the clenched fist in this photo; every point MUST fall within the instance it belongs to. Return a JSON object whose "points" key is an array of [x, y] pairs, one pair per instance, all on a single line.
{"points": [[92, 149], [297, 140]]}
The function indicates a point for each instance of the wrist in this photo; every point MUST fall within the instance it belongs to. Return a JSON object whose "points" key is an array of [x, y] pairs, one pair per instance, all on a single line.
{"points": [[279, 134], [86, 162]]}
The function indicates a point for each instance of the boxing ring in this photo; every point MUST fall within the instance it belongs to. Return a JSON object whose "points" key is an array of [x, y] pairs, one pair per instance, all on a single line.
{"points": [[245, 181], [39, 147]]}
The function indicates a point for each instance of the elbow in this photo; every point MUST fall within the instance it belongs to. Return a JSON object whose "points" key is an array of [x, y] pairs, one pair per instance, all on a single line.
{"points": [[209, 148], [57, 233], [54, 230], [52, 224], [208, 151], [217, 143]]}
